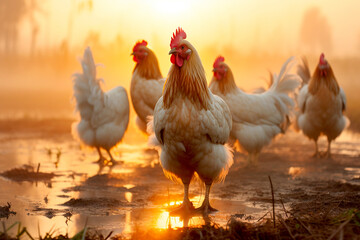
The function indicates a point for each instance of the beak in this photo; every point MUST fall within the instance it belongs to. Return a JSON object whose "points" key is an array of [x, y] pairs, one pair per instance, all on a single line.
{"points": [[214, 70], [131, 54], [172, 51]]}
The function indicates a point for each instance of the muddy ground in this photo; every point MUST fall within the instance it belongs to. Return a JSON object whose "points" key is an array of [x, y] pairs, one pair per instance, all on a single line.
{"points": [[50, 180]]}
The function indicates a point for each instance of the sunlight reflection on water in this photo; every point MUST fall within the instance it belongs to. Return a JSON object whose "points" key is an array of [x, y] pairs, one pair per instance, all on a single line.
{"points": [[131, 182], [128, 196], [165, 221], [295, 171]]}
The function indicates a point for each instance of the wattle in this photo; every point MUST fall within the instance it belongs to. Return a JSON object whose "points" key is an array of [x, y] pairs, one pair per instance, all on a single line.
{"points": [[176, 59], [135, 59], [172, 59], [179, 61]]}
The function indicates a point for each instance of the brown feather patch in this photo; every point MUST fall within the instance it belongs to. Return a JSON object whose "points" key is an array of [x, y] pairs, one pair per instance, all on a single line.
{"points": [[149, 67], [318, 81], [226, 84], [188, 81]]}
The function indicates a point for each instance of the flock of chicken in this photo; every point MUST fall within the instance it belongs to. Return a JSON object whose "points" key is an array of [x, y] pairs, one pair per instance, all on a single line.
{"points": [[195, 125]]}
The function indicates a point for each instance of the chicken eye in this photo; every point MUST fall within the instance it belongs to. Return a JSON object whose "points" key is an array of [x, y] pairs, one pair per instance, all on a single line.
{"points": [[182, 47]]}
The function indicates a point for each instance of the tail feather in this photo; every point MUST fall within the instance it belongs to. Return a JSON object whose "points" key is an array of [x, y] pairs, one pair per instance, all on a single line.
{"points": [[285, 82], [87, 90], [284, 85], [88, 64], [286, 66], [303, 71]]}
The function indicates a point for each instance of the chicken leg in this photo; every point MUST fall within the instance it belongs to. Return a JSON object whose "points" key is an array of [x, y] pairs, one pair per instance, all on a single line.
{"points": [[316, 153], [186, 207], [250, 159], [206, 207], [253, 159], [328, 152], [101, 157], [112, 160]]}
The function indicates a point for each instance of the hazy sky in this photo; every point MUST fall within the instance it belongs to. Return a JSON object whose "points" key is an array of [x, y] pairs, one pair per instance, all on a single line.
{"points": [[248, 25], [226, 27]]}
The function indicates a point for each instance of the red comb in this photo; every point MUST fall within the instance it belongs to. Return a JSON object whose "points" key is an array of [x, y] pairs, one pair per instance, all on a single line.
{"points": [[138, 44], [177, 36], [218, 60], [322, 59]]}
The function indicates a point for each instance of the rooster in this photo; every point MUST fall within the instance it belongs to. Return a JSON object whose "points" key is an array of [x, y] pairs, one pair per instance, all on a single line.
{"points": [[104, 115], [321, 103], [146, 83], [191, 124], [257, 118]]}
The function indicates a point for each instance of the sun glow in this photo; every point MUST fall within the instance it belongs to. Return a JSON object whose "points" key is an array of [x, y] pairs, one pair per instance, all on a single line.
{"points": [[166, 221], [171, 8]]}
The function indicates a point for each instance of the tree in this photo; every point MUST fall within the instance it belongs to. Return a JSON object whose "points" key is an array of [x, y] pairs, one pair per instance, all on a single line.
{"points": [[315, 31], [11, 14]]}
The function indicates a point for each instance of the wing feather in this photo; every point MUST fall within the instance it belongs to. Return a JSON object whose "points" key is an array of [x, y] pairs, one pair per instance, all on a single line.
{"points": [[303, 95], [343, 99], [146, 95], [217, 122], [116, 105], [159, 120]]}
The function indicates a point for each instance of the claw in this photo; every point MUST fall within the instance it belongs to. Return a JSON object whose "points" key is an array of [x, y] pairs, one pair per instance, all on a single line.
{"points": [[206, 209], [186, 208]]}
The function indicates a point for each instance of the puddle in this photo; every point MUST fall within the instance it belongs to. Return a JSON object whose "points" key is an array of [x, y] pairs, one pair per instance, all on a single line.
{"points": [[136, 194]]}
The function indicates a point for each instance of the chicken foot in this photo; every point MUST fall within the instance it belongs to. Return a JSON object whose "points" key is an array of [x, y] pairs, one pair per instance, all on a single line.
{"points": [[186, 207], [316, 153], [101, 157], [112, 160], [206, 207], [328, 152]]}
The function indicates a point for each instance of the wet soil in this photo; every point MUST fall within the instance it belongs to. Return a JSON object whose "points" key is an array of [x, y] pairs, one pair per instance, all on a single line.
{"points": [[70, 190], [5, 211], [27, 173]]}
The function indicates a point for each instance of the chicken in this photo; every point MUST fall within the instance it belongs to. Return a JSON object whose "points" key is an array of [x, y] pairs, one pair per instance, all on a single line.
{"points": [[146, 83], [104, 115], [191, 124], [257, 118], [321, 104]]}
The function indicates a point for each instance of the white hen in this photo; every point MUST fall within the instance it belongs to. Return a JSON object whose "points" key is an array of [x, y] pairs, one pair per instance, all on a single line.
{"points": [[257, 118], [104, 115], [321, 104], [146, 83], [191, 124]]}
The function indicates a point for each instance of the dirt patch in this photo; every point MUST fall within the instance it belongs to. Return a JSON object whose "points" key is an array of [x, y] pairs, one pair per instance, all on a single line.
{"points": [[51, 212], [95, 202], [300, 223], [5, 211], [292, 228], [27, 173], [323, 197]]}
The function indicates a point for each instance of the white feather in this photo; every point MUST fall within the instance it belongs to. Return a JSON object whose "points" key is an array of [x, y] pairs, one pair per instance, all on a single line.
{"points": [[258, 118], [192, 140], [144, 95], [104, 116]]}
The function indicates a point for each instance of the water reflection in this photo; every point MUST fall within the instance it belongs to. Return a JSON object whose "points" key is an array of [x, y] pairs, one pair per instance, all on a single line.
{"points": [[165, 220], [128, 196], [127, 228], [134, 184], [353, 172], [296, 171]]}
